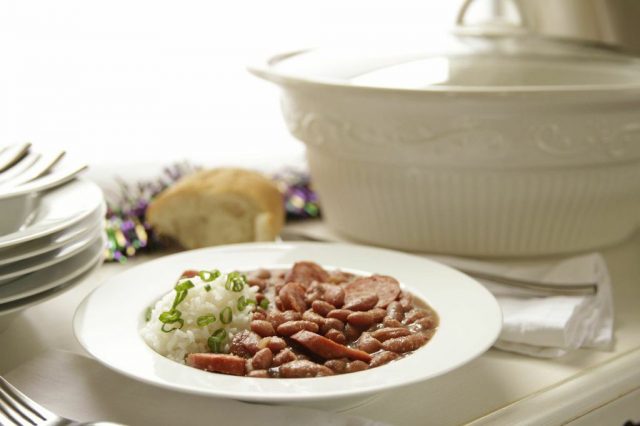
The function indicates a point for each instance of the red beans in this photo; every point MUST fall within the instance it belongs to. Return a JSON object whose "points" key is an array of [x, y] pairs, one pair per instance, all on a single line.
{"points": [[405, 343], [360, 319], [262, 328], [322, 308], [292, 327], [304, 368], [337, 365], [382, 357], [262, 359], [395, 311], [414, 315], [361, 302], [340, 314], [368, 343], [283, 357], [274, 343], [336, 336], [354, 366], [313, 317], [390, 333], [331, 323]]}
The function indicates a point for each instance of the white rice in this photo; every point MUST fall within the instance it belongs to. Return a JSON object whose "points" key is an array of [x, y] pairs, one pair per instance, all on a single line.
{"points": [[191, 338]]}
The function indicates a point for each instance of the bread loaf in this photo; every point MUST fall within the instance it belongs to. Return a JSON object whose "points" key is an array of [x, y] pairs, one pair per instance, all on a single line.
{"points": [[219, 206]]}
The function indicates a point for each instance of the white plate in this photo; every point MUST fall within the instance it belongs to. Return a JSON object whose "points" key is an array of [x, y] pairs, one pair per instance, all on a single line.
{"points": [[53, 276], [8, 311], [15, 271], [54, 241], [58, 209], [470, 321]]}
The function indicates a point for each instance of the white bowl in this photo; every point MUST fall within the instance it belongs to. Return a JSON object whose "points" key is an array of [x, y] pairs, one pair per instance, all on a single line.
{"points": [[470, 321], [521, 147]]}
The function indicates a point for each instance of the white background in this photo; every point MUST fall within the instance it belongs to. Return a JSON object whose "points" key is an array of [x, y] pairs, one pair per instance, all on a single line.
{"points": [[117, 82]]}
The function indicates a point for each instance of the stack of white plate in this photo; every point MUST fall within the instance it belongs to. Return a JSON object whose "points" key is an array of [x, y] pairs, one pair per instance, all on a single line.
{"points": [[58, 244]]}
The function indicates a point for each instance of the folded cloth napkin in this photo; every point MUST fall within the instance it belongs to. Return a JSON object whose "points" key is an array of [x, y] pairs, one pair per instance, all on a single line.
{"points": [[536, 322], [80, 388]]}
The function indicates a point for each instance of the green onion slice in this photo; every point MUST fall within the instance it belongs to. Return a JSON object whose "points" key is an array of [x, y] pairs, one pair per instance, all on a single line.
{"points": [[216, 340], [147, 314], [264, 303], [242, 303], [169, 317], [235, 281], [226, 316], [208, 276], [205, 320], [184, 286], [207, 287], [181, 292], [167, 330]]}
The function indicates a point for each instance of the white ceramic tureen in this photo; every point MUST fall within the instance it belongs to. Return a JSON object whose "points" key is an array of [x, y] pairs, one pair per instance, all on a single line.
{"points": [[496, 145]]}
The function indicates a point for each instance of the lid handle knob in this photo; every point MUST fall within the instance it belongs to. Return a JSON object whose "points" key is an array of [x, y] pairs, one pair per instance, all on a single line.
{"points": [[505, 18]]}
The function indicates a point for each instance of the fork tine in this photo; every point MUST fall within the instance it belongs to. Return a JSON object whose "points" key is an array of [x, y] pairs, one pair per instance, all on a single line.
{"points": [[21, 405], [5, 416]]}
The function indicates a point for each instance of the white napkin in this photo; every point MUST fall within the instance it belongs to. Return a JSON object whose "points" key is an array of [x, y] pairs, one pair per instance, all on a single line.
{"points": [[80, 388], [549, 325], [534, 323]]}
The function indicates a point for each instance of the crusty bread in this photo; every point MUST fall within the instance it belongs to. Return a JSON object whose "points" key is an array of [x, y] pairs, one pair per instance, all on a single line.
{"points": [[219, 206]]}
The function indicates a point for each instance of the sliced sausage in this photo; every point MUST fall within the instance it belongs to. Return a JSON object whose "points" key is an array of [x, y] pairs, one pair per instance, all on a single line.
{"points": [[245, 344], [218, 363], [306, 272], [387, 288], [333, 294], [292, 297], [327, 348]]}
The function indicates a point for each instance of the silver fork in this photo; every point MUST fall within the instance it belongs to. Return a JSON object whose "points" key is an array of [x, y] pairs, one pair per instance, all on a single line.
{"points": [[18, 409]]}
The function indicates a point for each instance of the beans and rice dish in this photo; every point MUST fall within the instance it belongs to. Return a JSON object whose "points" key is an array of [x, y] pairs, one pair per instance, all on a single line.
{"points": [[301, 322]]}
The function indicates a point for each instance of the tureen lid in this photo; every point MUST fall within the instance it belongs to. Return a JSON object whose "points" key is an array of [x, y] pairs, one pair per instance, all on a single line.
{"points": [[502, 56]]}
